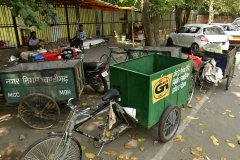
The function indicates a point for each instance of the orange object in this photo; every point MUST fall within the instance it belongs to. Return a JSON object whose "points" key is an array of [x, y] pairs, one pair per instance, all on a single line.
{"points": [[196, 60]]}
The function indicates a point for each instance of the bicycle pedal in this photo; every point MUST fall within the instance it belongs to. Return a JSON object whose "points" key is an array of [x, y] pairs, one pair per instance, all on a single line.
{"points": [[102, 127]]}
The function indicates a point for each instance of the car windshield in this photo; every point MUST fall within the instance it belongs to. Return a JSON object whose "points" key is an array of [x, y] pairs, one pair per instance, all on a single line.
{"points": [[213, 31], [189, 29], [230, 28]]}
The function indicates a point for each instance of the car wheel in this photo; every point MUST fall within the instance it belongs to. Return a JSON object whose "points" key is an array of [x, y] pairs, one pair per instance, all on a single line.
{"points": [[194, 48], [169, 42]]}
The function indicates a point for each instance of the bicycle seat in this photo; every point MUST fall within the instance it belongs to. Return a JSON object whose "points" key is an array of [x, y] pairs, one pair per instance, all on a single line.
{"points": [[111, 94]]}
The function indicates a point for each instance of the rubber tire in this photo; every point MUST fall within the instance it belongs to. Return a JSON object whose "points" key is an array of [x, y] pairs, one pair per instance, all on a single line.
{"points": [[104, 85], [32, 103], [194, 47], [50, 143], [230, 76], [169, 42], [105, 59], [191, 91], [164, 119]]}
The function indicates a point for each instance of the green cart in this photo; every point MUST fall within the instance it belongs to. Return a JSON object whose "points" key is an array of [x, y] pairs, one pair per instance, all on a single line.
{"points": [[156, 86], [37, 87]]}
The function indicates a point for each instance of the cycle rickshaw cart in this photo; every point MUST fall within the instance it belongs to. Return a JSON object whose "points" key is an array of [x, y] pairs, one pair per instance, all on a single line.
{"points": [[152, 89], [38, 87], [225, 60], [156, 86]]}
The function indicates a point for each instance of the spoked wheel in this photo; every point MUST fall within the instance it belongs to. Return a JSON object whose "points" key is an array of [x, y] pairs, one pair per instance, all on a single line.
{"points": [[105, 60], [99, 84], [230, 76], [38, 111], [191, 90], [194, 48], [169, 123], [52, 147]]}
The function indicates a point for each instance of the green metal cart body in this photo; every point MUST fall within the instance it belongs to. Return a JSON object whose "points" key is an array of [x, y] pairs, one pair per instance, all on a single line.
{"points": [[151, 84]]}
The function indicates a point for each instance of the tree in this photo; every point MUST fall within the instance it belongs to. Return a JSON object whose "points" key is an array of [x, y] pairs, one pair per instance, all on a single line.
{"points": [[34, 13]]}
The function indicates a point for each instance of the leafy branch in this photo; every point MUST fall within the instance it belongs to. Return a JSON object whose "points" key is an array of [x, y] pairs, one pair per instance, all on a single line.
{"points": [[40, 15]]}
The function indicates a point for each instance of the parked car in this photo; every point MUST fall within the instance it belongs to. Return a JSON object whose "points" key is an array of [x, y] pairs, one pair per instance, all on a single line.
{"points": [[195, 36], [236, 22], [231, 30]]}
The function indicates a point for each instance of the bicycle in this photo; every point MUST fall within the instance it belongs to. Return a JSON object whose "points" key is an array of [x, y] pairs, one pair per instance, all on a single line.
{"points": [[105, 58], [62, 145]]}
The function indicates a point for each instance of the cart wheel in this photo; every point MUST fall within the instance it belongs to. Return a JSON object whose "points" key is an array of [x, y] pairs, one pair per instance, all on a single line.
{"points": [[169, 123], [38, 111], [191, 90], [230, 76]]}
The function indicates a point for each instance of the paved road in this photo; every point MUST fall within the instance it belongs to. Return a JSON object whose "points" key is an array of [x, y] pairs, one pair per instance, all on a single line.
{"points": [[212, 119]]}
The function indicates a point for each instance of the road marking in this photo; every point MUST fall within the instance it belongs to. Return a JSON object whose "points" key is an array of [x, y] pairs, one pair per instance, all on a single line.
{"points": [[168, 145]]}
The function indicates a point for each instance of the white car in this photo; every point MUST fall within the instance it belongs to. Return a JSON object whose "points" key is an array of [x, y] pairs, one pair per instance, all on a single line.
{"points": [[232, 31], [195, 36]]}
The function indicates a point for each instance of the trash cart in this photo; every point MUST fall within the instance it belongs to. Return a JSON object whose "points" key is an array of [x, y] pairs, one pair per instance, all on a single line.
{"points": [[156, 86], [37, 87]]}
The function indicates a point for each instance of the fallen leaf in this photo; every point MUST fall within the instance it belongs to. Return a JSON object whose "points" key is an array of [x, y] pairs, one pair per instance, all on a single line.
{"points": [[127, 145], [195, 159], [197, 104], [184, 120], [214, 140], [179, 136], [230, 143], [200, 124], [133, 158], [112, 152], [238, 99], [134, 136], [90, 155], [141, 139], [199, 98], [126, 158], [202, 131], [182, 150], [83, 148], [206, 109], [183, 109], [223, 158], [199, 149], [200, 158], [190, 106], [228, 110], [183, 140], [86, 104], [100, 118], [141, 148], [231, 115], [238, 137], [191, 117], [107, 133], [121, 157], [61, 121], [194, 151]]}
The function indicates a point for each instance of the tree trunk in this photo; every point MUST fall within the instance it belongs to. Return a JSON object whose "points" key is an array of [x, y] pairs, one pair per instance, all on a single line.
{"points": [[151, 25], [211, 12], [178, 17], [186, 15]]}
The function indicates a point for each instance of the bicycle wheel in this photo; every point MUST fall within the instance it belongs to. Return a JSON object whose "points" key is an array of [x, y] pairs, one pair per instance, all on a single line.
{"points": [[105, 60], [52, 147], [191, 90], [169, 123], [230, 76], [38, 111]]}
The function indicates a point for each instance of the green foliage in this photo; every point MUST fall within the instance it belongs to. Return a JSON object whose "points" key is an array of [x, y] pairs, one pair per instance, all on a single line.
{"points": [[31, 12]]}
